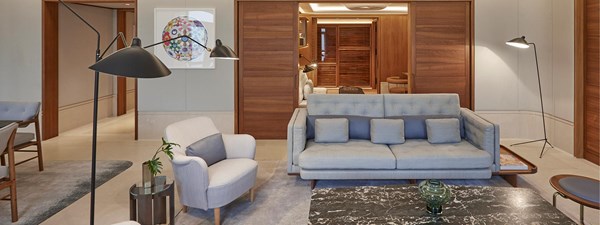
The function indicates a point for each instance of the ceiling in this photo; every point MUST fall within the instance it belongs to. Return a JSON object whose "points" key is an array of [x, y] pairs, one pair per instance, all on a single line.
{"points": [[112, 5], [353, 8]]}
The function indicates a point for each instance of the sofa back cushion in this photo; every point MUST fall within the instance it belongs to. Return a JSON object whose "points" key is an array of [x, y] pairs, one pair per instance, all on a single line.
{"points": [[332, 130], [421, 104], [346, 105], [359, 127]]}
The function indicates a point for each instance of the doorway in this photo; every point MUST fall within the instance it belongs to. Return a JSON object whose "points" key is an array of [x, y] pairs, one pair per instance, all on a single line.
{"points": [[67, 51]]}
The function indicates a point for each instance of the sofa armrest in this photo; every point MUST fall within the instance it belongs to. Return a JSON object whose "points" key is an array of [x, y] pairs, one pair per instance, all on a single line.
{"points": [[239, 146], [191, 176], [296, 136], [483, 134]]}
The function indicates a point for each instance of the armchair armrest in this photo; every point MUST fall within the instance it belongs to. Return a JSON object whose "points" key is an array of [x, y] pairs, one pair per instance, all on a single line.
{"points": [[296, 137], [191, 176], [483, 134], [239, 146]]}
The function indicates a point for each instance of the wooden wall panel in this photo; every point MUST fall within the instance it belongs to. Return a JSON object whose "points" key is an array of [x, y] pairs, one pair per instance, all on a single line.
{"points": [[355, 35], [592, 81], [441, 48], [327, 74], [267, 70], [121, 81], [49, 70], [355, 67], [392, 50]]}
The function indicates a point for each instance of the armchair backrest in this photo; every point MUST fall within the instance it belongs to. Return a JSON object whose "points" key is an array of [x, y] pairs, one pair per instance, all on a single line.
{"points": [[188, 131], [18, 110]]}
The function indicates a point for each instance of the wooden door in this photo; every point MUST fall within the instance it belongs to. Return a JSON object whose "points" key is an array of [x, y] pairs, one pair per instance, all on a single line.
{"points": [[592, 81], [268, 67], [441, 48], [327, 70]]}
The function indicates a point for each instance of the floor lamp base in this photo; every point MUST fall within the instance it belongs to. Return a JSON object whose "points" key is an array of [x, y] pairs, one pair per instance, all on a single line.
{"points": [[545, 140]]}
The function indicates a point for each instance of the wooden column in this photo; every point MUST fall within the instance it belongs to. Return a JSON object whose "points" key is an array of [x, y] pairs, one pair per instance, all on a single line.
{"points": [[49, 70], [268, 68]]}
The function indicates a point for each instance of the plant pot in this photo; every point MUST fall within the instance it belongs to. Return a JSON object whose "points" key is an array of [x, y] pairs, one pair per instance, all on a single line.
{"points": [[147, 176], [436, 194]]}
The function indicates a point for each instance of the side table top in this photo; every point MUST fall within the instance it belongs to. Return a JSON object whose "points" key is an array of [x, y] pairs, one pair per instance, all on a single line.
{"points": [[161, 183], [531, 168]]}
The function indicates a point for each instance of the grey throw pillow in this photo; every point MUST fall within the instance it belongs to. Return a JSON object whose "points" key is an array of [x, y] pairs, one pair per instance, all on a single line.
{"points": [[387, 131], [211, 149], [331, 130], [443, 130]]}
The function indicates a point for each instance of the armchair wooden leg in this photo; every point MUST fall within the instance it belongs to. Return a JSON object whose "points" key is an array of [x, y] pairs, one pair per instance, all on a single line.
{"points": [[252, 195], [13, 202], [217, 216], [38, 143], [185, 209]]}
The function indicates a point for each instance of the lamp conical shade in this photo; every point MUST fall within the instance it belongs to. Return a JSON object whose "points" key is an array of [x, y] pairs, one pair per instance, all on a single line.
{"points": [[132, 61], [519, 42], [223, 52]]}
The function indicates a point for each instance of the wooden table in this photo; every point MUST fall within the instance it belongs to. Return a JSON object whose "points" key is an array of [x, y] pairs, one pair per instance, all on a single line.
{"points": [[402, 204], [511, 175]]}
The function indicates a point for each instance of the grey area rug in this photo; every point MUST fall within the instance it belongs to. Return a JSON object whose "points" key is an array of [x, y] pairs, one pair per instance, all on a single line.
{"points": [[42, 194], [284, 199]]}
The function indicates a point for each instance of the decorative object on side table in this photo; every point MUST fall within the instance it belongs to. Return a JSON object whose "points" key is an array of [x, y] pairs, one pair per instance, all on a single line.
{"points": [[436, 194], [153, 166]]}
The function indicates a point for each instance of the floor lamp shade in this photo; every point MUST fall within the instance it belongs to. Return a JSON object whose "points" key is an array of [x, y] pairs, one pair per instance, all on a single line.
{"points": [[221, 51], [519, 42], [133, 61]]}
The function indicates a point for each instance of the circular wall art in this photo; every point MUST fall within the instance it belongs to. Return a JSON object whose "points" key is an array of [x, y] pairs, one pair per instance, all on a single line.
{"points": [[184, 49]]}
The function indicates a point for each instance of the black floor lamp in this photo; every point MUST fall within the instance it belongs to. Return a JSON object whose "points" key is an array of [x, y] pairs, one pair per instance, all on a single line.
{"points": [[135, 62], [520, 42]]}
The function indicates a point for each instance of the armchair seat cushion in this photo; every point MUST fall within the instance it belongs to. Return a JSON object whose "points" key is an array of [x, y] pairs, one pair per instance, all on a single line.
{"points": [[354, 154], [420, 154], [228, 179], [3, 171]]}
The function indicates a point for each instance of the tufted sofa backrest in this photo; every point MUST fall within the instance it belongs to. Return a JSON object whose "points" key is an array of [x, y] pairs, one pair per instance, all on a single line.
{"points": [[18, 110], [345, 104], [421, 104]]}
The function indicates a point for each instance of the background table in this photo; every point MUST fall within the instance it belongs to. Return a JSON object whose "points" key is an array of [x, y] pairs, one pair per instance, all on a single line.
{"points": [[150, 207], [402, 205]]}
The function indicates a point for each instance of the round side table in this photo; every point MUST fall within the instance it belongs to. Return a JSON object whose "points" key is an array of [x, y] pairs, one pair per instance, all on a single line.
{"points": [[147, 205], [583, 190]]}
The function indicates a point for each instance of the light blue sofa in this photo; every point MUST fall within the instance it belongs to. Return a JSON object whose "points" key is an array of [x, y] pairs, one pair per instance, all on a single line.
{"points": [[475, 157]]}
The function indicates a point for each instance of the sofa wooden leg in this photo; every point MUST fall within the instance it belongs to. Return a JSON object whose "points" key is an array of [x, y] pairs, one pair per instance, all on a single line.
{"points": [[185, 209], [313, 183], [412, 181], [217, 216], [252, 195]]}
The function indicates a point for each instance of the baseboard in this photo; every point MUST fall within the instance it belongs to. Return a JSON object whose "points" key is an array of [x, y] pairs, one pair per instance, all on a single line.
{"points": [[79, 114], [528, 125], [151, 125]]}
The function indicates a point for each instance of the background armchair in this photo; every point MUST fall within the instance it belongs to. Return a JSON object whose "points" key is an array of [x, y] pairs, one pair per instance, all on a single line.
{"points": [[211, 187], [26, 113], [7, 173]]}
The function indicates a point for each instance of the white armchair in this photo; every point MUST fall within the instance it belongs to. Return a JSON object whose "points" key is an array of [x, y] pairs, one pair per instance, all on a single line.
{"points": [[211, 187]]}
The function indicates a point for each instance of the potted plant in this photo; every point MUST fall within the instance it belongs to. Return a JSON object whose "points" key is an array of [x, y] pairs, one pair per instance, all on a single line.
{"points": [[154, 166]]}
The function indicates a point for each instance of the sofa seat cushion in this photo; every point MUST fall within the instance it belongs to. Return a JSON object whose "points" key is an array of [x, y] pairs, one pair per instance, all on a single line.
{"points": [[420, 154], [354, 154]]}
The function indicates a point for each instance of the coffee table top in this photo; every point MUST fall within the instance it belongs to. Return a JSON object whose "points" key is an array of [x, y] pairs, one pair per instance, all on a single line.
{"points": [[402, 205]]}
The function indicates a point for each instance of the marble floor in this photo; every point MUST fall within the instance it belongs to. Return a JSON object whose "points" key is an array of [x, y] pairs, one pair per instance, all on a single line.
{"points": [[115, 142]]}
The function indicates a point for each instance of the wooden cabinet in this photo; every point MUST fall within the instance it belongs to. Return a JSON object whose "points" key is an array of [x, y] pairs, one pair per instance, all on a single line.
{"points": [[441, 48], [346, 55]]}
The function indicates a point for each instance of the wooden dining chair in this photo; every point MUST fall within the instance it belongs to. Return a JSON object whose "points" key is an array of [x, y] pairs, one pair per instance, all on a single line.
{"points": [[7, 173], [27, 114]]}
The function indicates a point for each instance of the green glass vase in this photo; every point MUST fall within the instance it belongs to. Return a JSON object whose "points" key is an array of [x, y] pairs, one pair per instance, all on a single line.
{"points": [[436, 194]]}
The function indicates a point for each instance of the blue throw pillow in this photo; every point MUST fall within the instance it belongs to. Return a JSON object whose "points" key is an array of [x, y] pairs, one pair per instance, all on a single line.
{"points": [[210, 148], [331, 130], [441, 131], [387, 131]]}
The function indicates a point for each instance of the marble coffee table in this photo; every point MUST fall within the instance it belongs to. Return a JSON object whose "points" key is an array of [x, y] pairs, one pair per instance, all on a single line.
{"points": [[402, 205]]}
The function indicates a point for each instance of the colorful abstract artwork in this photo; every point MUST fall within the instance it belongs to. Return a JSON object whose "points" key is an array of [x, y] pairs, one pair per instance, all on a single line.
{"points": [[185, 53]]}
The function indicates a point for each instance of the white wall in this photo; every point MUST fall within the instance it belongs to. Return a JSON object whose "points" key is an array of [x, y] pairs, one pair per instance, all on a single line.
{"points": [[506, 87], [76, 53], [187, 93], [20, 50]]}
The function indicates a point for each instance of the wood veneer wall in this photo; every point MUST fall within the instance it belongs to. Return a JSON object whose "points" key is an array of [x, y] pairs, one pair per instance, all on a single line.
{"points": [[592, 81], [392, 49], [441, 48], [267, 70]]}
